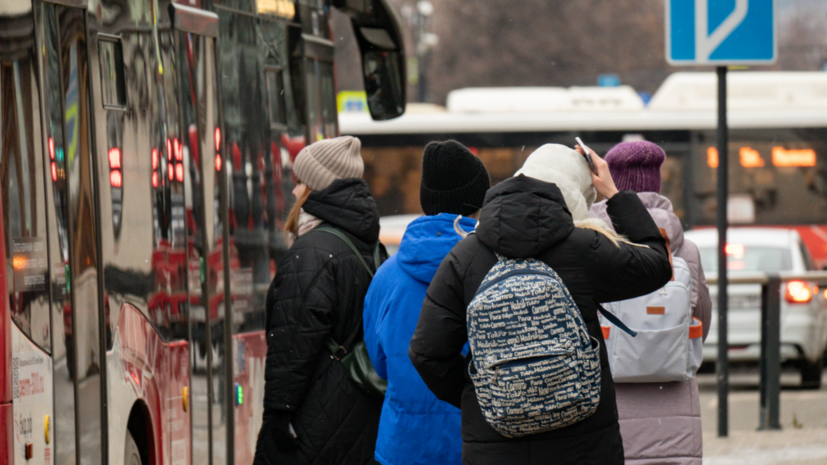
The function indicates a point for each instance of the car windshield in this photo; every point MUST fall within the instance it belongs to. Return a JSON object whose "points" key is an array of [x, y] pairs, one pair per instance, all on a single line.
{"points": [[748, 258]]}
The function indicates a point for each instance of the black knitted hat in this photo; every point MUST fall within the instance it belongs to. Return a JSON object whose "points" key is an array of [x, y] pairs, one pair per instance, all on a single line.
{"points": [[454, 180]]}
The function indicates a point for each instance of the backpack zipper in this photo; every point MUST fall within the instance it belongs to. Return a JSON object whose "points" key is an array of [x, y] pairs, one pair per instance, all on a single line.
{"points": [[499, 363], [510, 274]]}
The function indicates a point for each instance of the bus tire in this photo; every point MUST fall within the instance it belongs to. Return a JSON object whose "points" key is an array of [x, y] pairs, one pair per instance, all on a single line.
{"points": [[811, 374], [132, 456]]}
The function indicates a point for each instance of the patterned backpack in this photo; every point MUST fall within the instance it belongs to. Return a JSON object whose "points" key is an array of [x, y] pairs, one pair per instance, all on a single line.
{"points": [[534, 368]]}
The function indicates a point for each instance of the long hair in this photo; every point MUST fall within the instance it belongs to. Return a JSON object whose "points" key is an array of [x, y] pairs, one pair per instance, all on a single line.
{"points": [[596, 224], [291, 226]]}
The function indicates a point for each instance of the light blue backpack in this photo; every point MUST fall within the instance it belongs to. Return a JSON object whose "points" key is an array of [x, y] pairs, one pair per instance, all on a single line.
{"points": [[534, 368]]}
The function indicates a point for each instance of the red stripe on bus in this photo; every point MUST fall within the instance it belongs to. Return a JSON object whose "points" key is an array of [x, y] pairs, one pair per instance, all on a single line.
{"points": [[5, 325], [6, 434]]}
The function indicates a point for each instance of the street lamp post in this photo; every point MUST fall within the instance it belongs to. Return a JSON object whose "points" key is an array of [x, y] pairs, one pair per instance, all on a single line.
{"points": [[419, 19]]}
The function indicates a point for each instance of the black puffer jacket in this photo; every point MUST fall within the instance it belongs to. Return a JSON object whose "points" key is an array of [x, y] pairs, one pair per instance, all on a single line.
{"points": [[523, 217], [318, 293]]}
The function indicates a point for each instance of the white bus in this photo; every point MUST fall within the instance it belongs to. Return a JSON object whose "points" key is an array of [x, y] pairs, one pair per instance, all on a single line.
{"points": [[778, 141]]}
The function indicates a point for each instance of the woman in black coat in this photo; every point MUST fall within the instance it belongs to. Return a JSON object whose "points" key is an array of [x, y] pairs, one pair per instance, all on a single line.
{"points": [[524, 217], [313, 412]]}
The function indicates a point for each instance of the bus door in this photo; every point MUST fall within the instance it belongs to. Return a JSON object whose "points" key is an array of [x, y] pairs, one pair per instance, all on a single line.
{"points": [[25, 340], [79, 394], [201, 170]]}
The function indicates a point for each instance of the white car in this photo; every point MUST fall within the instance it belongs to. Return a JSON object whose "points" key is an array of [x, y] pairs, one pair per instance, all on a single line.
{"points": [[803, 305]]}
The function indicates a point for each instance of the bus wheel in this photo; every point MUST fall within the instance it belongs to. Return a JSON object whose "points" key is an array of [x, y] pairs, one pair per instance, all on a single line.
{"points": [[132, 456], [811, 374]]}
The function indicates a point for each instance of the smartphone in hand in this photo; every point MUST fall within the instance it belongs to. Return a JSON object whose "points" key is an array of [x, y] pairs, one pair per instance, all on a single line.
{"points": [[587, 155]]}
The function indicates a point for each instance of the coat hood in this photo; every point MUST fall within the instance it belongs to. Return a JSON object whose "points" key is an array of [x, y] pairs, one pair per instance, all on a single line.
{"points": [[522, 216], [427, 241], [660, 208], [566, 168], [347, 204]]}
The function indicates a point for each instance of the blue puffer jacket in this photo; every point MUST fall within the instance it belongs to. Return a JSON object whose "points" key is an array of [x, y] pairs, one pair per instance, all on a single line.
{"points": [[415, 427]]}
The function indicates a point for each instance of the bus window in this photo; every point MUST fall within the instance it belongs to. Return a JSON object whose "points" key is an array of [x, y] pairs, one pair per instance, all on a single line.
{"points": [[778, 171], [57, 209], [110, 54], [22, 169], [276, 159], [327, 91], [275, 97], [320, 103], [84, 230]]}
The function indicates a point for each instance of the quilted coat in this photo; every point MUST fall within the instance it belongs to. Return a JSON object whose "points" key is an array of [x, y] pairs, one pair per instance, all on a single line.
{"points": [[318, 292], [523, 217], [430, 427], [661, 422]]}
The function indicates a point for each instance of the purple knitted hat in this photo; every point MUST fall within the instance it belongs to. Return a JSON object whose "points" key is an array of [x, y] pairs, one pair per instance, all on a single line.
{"points": [[636, 166]]}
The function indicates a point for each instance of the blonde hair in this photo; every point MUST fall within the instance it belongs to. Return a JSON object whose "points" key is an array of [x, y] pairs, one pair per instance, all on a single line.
{"points": [[596, 224], [291, 226]]}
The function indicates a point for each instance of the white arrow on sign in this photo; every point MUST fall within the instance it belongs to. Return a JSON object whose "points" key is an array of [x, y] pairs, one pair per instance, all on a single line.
{"points": [[706, 43]]}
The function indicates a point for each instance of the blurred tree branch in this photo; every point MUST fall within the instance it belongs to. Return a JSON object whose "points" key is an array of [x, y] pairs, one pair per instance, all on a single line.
{"points": [[567, 43]]}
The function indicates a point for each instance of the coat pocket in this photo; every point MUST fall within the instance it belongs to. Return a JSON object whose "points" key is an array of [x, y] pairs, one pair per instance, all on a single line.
{"points": [[696, 347], [653, 356]]}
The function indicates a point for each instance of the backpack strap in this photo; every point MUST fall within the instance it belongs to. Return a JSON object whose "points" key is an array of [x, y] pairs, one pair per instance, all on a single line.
{"points": [[349, 243], [337, 350], [668, 250], [615, 321]]}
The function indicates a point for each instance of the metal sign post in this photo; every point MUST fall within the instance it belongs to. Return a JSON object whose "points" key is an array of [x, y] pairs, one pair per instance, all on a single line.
{"points": [[722, 194], [721, 33]]}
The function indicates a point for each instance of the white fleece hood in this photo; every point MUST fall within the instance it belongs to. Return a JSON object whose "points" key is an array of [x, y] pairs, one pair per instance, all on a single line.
{"points": [[567, 169]]}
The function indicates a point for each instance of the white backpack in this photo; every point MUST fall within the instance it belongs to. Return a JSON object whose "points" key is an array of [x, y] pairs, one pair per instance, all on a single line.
{"points": [[668, 346]]}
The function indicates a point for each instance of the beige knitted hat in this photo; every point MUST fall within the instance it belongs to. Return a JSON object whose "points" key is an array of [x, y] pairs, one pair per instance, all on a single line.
{"points": [[321, 163]]}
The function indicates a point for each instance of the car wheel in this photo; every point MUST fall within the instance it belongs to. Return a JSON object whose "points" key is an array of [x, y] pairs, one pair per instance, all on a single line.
{"points": [[132, 456], [811, 374]]}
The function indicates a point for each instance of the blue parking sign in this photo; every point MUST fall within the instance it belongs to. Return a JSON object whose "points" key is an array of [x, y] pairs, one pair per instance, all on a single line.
{"points": [[721, 32]]}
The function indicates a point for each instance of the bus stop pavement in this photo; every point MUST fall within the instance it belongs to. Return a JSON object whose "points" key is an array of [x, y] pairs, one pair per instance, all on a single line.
{"points": [[789, 446]]}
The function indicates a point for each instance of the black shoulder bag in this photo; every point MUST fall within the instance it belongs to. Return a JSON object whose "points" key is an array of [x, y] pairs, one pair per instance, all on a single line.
{"points": [[357, 361]]}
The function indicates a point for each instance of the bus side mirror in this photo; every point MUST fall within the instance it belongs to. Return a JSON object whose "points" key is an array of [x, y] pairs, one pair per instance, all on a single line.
{"points": [[384, 84], [379, 35]]}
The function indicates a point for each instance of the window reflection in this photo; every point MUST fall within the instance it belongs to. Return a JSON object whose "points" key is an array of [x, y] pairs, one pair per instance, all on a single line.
{"points": [[21, 171], [83, 229], [57, 208]]}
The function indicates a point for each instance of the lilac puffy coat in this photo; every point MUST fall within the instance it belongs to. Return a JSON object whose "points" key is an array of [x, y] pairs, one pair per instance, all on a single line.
{"points": [[661, 422]]}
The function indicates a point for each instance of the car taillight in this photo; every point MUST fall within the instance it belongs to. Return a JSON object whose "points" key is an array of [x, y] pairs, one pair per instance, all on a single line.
{"points": [[798, 292], [735, 249]]}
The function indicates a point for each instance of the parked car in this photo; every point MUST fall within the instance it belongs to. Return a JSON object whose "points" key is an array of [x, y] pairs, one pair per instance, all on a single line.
{"points": [[803, 306], [391, 230]]}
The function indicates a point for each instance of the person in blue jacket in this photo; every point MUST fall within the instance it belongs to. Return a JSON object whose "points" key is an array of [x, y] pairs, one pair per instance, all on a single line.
{"points": [[415, 427]]}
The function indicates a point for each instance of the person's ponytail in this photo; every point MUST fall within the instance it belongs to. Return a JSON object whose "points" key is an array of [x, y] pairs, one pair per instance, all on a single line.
{"points": [[291, 225]]}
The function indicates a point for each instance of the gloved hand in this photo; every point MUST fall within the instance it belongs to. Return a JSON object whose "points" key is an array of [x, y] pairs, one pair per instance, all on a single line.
{"points": [[274, 438]]}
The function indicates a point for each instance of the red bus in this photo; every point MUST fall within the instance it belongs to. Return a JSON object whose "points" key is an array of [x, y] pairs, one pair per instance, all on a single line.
{"points": [[145, 155]]}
